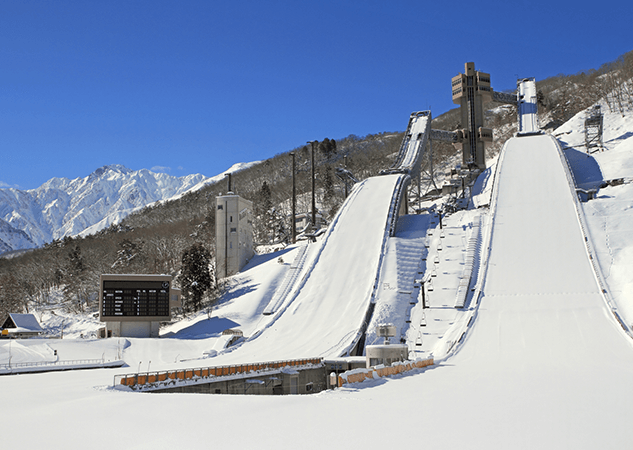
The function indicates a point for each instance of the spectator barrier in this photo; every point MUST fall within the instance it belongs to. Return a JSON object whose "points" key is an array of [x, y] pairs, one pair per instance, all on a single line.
{"points": [[360, 375], [148, 380]]}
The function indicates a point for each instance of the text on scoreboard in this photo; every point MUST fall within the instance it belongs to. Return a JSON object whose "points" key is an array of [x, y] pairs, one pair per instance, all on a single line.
{"points": [[127, 298]]}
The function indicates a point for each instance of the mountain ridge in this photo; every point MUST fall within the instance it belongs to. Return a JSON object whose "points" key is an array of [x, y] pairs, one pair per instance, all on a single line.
{"points": [[63, 207]]}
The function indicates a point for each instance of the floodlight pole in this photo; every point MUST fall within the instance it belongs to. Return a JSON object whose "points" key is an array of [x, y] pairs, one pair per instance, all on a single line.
{"points": [[345, 182], [313, 194], [294, 201]]}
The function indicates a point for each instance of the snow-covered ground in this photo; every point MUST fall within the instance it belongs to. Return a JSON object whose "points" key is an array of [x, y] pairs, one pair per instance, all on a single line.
{"points": [[542, 365], [610, 215]]}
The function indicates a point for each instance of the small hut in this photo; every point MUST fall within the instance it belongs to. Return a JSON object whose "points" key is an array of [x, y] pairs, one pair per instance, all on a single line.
{"points": [[20, 326]]}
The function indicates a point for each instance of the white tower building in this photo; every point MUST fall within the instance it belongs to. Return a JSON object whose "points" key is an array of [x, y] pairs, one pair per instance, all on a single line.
{"points": [[233, 234]]}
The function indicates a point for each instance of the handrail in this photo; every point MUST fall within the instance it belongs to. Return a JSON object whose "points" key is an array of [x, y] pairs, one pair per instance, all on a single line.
{"points": [[396, 204], [51, 363]]}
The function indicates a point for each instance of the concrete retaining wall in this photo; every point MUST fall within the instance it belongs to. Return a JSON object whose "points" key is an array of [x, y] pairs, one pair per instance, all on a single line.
{"points": [[309, 380], [301, 376]]}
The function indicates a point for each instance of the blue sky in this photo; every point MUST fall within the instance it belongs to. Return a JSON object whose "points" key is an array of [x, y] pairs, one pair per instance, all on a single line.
{"points": [[196, 86]]}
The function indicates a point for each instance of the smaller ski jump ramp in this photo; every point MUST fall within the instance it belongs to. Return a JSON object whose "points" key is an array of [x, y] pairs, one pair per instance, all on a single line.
{"points": [[324, 315]]}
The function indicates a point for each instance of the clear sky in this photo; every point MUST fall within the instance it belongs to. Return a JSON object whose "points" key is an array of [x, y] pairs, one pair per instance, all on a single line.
{"points": [[196, 86]]}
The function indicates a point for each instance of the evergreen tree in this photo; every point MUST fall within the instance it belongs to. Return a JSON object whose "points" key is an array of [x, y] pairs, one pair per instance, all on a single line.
{"points": [[266, 197], [328, 186], [278, 227], [75, 279], [265, 215], [195, 277], [327, 147]]}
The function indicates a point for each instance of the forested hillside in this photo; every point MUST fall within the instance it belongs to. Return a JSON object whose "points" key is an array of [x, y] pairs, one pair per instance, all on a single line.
{"points": [[155, 239]]}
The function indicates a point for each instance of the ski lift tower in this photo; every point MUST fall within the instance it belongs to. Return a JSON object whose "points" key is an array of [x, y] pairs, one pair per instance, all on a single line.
{"points": [[593, 129]]}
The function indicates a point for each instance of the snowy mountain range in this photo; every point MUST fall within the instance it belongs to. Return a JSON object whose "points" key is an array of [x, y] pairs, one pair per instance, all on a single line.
{"points": [[62, 207]]}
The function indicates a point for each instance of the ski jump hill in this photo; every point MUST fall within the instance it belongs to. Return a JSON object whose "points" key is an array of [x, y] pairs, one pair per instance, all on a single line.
{"points": [[546, 363], [543, 301]]}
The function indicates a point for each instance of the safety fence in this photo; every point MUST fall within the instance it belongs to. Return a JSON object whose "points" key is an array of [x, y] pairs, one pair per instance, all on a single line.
{"points": [[153, 380], [50, 366], [359, 375]]}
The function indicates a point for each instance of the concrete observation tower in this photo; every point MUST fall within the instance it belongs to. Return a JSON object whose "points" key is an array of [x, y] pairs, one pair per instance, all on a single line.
{"points": [[233, 233], [471, 90]]}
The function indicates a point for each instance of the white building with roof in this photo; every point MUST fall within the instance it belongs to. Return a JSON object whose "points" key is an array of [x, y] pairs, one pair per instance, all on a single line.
{"points": [[21, 325]]}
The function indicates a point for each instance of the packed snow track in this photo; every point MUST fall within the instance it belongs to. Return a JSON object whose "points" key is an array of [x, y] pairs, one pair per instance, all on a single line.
{"points": [[543, 332], [325, 313]]}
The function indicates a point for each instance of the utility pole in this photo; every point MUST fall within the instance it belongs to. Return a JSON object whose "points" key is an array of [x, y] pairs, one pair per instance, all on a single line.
{"points": [[345, 182], [423, 295], [294, 201], [313, 194]]}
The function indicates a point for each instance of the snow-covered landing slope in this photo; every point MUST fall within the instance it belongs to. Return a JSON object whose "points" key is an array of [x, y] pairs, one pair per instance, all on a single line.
{"points": [[544, 346], [325, 314], [537, 245]]}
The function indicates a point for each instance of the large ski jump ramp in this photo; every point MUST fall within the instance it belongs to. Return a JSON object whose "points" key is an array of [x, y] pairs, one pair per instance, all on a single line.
{"points": [[546, 365], [540, 289]]}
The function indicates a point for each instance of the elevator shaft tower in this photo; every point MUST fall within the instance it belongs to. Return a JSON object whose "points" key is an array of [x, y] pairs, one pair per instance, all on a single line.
{"points": [[471, 90]]}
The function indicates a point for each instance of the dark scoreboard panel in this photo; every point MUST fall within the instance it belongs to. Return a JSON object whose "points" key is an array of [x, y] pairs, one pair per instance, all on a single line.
{"points": [[127, 298]]}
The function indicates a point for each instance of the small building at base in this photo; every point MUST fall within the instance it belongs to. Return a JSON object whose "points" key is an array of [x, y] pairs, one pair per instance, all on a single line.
{"points": [[21, 326], [386, 354]]}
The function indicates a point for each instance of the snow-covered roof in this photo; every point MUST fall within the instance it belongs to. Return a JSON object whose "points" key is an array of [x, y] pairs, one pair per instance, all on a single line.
{"points": [[21, 323]]}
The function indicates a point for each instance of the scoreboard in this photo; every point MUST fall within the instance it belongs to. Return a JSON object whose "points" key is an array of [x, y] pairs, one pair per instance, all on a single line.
{"points": [[135, 297]]}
